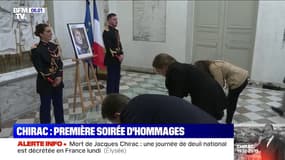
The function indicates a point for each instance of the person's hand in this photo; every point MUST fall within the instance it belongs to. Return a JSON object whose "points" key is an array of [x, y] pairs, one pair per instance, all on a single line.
{"points": [[120, 57], [57, 81], [34, 46]]}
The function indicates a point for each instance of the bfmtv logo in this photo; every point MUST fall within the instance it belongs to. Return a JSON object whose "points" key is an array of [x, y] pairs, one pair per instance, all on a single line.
{"points": [[20, 13]]}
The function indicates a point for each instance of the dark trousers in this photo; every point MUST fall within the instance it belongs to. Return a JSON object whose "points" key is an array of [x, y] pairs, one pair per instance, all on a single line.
{"points": [[113, 78], [232, 100], [56, 99]]}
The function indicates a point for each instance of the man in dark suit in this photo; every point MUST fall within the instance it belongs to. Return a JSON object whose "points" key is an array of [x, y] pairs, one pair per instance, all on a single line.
{"points": [[80, 43], [183, 79], [151, 108], [114, 54], [270, 145]]}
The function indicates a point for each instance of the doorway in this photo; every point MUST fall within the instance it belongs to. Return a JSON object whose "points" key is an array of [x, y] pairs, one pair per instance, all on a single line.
{"points": [[225, 30]]}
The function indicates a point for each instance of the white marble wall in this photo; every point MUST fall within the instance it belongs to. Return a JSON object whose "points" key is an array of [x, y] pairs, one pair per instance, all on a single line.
{"points": [[269, 52], [18, 95]]}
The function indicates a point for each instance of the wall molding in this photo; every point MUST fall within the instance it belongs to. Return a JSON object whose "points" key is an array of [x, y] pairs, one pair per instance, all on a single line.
{"points": [[25, 73]]}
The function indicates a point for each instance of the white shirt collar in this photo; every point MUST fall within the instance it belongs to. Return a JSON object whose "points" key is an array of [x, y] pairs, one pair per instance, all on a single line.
{"points": [[269, 141]]}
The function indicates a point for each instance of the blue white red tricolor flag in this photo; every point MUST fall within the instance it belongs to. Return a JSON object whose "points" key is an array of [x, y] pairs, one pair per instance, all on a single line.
{"points": [[96, 38]]}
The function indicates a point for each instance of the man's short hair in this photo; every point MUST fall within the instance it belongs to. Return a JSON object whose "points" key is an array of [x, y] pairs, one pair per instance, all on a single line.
{"points": [[109, 16], [113, 103], [161, 60]]}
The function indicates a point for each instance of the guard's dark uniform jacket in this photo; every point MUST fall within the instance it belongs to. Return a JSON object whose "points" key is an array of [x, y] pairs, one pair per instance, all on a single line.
{"points": [[206, 93], [48, 64], [113, 46]]}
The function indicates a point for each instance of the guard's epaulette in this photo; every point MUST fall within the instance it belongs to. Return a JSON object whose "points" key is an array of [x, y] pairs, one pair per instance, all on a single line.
{"points": [[106, 28]]}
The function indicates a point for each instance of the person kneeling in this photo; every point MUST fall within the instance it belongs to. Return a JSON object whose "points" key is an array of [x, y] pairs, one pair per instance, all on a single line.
{"points": [[151, 108]]}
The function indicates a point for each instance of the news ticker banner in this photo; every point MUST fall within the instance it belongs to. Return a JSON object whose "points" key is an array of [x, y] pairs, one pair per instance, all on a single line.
{"points": [[90, 141], [121, 131]]}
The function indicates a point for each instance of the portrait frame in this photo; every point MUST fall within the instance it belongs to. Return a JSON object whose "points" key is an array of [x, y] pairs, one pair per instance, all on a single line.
{"points": [[80, 41]]}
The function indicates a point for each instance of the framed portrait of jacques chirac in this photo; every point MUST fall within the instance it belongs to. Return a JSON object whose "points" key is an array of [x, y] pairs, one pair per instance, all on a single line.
{"points": [[80, 41]]}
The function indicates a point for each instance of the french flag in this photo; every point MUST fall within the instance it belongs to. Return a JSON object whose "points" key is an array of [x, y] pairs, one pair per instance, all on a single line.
{"points": [[96, 38]]}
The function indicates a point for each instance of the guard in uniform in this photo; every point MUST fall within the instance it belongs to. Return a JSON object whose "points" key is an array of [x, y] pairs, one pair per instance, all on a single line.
{"points": [[114, 54], [47, 62]]}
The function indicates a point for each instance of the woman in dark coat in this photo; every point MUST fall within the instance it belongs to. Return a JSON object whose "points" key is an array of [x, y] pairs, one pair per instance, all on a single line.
{"points": [[183, 79]]}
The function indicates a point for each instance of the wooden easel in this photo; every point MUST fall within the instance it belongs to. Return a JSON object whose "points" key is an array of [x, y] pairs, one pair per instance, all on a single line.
{"points": [[78, 84]]}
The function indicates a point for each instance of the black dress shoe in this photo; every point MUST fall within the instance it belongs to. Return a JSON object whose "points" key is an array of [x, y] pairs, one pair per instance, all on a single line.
{"points": [[278, 110]]}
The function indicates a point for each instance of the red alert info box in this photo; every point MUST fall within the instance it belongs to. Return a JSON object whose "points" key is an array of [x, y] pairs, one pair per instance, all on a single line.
{"points": [[104, 141]]}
